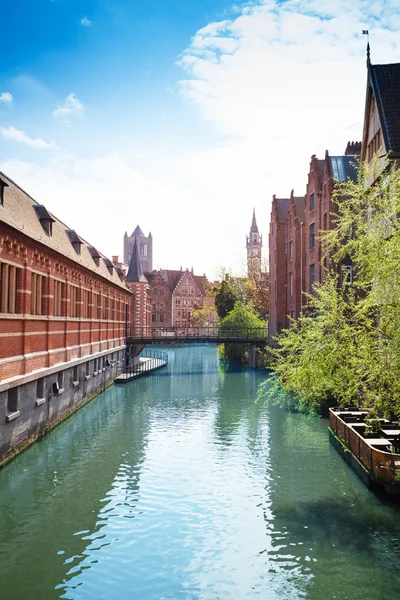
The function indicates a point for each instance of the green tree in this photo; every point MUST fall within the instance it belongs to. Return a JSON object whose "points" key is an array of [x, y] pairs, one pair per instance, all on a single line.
{"points": [[241, 319], [225, 298], [345, 349]]}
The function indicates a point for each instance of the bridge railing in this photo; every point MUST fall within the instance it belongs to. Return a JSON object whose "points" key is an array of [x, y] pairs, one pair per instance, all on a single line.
{"points": [[156, 359], [209, 332]]}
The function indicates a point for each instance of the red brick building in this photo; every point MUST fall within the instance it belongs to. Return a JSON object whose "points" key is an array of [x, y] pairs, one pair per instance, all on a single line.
{"points": [[295, 250], [278, 265], [175, 295], [296, 245], [64, 308]]}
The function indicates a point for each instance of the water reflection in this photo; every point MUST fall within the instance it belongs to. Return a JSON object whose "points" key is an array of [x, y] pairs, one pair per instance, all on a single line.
{"points": [[180, 486]]}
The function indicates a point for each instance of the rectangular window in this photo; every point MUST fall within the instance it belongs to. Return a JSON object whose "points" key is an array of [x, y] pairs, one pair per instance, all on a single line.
{"points": [[60, 382], [312, 276], [75, 377], [290, 284], [74, 301], [9, 282], [105, 307], [290, 250], [40, 388], [12, 400], [87, 370], [97, 307], [37, 294], [161, 317], [85, 304], [58, 298], [154, 317], [346, 272], [325, 221], [312, 235], [312, 201]]}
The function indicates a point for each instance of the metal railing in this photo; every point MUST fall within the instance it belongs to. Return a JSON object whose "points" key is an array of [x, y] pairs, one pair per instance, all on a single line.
{"points": [[156, 360], [214, 333]]}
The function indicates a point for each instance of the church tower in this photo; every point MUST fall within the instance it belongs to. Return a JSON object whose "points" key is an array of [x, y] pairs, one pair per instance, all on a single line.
{"points": [[144, 248], [254, 248]]}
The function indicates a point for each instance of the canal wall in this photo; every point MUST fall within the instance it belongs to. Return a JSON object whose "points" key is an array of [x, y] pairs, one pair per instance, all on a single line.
{"points": [[33, 404]]}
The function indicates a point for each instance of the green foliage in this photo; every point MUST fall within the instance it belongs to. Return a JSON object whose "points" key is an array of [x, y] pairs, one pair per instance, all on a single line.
{"points": [[240, 319], [345, 349], [225, 298]]}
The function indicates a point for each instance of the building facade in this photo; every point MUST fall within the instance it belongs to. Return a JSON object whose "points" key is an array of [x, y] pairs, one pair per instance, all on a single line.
{"points": [[64, 308], [175, 296], [254, 250], [144, 245], [296, 255]]}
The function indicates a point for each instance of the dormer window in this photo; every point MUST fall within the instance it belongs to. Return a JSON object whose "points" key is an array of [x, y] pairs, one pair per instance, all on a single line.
{"points": [[95, 255], [109, 265], [3, 185], [74, 239], [46, 220]]}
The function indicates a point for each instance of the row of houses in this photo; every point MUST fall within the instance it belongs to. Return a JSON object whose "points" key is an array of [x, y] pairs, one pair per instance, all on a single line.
{"points": [[296, 256]]}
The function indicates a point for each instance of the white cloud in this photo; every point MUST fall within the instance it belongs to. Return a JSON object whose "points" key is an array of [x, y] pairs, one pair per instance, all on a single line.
{"points": [[72, 106], [280, 82], [85, 22], [6, 98], [15, 135]]}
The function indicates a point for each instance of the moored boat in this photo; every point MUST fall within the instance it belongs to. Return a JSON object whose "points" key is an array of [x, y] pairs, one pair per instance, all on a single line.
{"points": [[375, 457]]}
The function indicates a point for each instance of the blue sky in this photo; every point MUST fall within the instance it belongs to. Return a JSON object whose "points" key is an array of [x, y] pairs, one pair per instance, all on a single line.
{"points": [[181, 115]]}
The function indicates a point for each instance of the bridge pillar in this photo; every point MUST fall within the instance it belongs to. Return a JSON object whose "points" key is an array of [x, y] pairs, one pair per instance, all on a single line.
{"points": [[252, 356]]}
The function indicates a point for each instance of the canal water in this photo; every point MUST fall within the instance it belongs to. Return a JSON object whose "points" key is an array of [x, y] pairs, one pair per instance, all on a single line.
{"points": [[180, 486]]}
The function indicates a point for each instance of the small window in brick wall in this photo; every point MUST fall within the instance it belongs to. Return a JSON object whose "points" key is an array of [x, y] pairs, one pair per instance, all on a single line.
{"points": [[75, 377], [12, 404], [60, 381], [312, 201]]}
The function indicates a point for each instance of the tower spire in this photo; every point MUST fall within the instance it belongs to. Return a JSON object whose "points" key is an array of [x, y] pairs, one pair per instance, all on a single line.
{"points": [[254, 228], [135, 272]]}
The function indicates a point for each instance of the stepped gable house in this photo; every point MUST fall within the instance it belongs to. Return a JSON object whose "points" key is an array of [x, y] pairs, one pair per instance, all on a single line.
{"points": [[174, 295], [295, 251], [62, 322], [144, 247]]}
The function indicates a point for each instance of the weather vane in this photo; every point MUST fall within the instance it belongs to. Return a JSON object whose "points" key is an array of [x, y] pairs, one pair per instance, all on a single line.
{"points": [[366, 32]]}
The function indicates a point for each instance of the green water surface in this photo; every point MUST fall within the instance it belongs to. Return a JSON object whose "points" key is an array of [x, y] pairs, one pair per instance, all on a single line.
{"points": [[180, 486]]}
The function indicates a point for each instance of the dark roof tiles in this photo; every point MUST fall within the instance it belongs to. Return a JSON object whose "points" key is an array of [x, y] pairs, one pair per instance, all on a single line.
{"points": [[385, 81]]}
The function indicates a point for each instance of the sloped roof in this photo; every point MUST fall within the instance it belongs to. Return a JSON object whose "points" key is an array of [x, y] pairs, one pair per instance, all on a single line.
{"points": [[283, 208], [135, 271], [254, 228], [172, 278], [299, 202], [137, 231], [19, 213], [385, 81]]}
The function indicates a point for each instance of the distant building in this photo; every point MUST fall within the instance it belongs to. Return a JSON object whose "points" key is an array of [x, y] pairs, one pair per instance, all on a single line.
{"points": [[296, 255], [144, 246], [175, 295], [140, 288], [254, 250]]}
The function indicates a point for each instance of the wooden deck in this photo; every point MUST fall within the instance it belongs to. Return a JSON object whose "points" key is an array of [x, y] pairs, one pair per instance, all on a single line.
{"points": [[372, 456]]}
